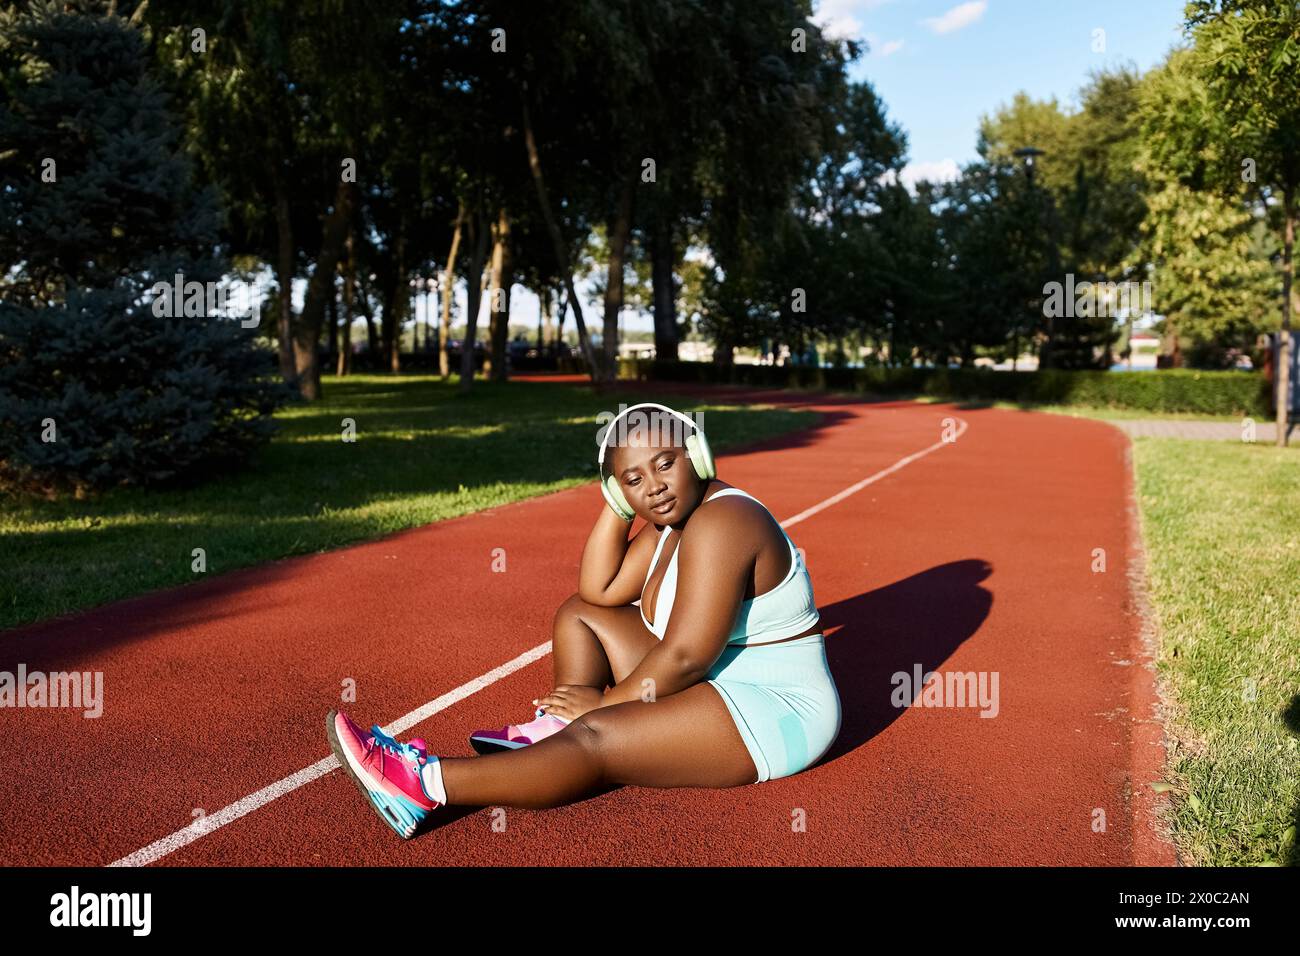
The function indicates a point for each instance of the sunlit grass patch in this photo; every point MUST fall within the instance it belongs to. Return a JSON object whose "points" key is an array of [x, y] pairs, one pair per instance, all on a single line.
{"points": [[422, 453]]}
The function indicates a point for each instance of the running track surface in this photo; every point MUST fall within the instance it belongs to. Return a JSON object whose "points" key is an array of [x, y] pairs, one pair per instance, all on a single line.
{"points": [[976, 557]]}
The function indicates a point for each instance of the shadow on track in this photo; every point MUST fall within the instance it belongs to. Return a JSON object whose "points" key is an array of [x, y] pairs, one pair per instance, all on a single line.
{"points": [[922, 620]]}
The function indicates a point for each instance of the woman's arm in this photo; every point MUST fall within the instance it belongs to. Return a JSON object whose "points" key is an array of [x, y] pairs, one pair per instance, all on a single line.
{"points": [[612, 574], [716, 560]]}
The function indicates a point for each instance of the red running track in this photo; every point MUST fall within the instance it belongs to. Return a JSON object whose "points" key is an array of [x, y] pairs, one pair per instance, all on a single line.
{"points": [[977, 557]]}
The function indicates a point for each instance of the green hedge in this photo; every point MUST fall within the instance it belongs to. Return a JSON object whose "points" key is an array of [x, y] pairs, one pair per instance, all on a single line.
{"points": [[1167, 390]]}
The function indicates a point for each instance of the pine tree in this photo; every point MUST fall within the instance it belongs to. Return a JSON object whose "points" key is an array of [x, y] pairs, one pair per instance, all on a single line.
{"points": [[99, 384]]}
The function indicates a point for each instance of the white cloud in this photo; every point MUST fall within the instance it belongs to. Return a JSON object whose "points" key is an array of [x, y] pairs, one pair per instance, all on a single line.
{"points": [[936, 171], [842, 28], [840, 19], [962, 15], [837, 21], [892, 47]]}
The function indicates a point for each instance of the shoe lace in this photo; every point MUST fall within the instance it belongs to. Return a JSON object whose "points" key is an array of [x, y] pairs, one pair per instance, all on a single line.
{"points": [[394, 747]]}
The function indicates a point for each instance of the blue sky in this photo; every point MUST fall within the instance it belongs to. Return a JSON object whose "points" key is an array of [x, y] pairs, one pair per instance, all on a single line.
{"points": [[938, 65]]}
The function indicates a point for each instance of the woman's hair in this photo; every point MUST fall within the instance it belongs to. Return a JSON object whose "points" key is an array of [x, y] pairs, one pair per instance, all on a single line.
{"points": [[685, 429]]}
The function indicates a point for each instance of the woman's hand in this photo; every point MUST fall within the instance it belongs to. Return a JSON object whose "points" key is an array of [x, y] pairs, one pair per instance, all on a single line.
{"points": [[571, 701]]}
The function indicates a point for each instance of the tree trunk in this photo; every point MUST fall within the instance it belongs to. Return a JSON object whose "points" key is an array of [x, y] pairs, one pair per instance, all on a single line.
{"points": [[559, 317], [543, 304], [319, 288], [665, 295], [367, 310], [557, 239], [620, 226], [396, 305], [1284, 343], [1175, 353], [387, 307], [448, 286], [284, 275], [501, 334], [473, 290], [349, 290], [554, 328], [499, 298], [372, 328], [332, 317]]}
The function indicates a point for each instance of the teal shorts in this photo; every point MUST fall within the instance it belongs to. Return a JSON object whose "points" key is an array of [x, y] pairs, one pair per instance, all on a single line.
{"points": [[783, 700]]}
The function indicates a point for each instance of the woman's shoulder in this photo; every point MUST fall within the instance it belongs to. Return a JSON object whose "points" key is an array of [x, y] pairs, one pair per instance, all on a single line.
{"points": [[734, 512], [732, 495]]}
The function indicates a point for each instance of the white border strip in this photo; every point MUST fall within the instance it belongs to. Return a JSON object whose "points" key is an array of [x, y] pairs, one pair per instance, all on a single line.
{"points": [[205, 825]]}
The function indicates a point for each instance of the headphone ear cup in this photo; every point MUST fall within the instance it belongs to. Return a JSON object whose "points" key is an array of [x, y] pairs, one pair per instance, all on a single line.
{"points": [[697, 446], [614, 497]]}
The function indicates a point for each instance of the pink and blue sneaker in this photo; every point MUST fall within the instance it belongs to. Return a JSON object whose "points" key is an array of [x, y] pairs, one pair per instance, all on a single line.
{"points": [[392, 775], [515, 736]]}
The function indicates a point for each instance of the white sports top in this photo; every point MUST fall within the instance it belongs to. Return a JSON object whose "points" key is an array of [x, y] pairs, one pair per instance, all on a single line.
{"points": [[787, 610]]}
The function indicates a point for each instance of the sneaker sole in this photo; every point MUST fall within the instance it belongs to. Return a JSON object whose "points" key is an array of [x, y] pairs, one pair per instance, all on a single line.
{"points": [[383, 803]]}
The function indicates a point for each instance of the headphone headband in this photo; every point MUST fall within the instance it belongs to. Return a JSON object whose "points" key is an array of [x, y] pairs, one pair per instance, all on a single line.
{"points": [[600, 455]]}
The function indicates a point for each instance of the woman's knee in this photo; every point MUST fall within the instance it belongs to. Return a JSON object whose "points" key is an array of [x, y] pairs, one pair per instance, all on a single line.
{"points": [[588, 729], [574, 609], [587, 732], [570, 609]]}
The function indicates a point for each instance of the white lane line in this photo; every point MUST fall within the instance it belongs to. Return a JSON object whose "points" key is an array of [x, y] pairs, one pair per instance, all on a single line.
{"points": [[853, 489], [205, 825]]}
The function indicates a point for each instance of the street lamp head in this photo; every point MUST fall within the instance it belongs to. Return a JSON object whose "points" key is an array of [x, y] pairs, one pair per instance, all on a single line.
{"points": [[1027, 153]]}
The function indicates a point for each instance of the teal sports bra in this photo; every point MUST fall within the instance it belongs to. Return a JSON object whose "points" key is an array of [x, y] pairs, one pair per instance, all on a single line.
{"points": [[787, 610]]}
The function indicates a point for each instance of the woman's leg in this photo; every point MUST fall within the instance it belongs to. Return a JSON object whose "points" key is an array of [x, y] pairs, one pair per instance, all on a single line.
{"points": [[655, 744], [597, 646]]}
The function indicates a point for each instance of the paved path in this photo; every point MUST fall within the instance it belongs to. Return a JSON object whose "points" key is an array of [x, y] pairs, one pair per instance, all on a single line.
{"points": [[1213, 431]]}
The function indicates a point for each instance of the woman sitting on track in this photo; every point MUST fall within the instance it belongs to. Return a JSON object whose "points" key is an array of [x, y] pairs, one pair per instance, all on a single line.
{"points": [[718, 679]]}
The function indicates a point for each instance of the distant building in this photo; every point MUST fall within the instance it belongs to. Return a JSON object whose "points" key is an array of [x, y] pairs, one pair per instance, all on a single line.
{"points": [[637, 350], [686, 351], [1143, 349]]}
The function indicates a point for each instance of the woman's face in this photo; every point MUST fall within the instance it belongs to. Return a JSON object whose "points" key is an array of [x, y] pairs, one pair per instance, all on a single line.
{"points": [[658, 480]]}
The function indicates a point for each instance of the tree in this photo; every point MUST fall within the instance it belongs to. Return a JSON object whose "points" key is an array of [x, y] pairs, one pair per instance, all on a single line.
{"points": [[110, 374], [793, 175], [286, 142], [1209, 281], [1248, 54], [1000, 237], [1092, 197]]}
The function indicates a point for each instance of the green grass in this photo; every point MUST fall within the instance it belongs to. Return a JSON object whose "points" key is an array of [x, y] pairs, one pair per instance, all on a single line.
{"points": [[422, 454], [1221, 523]]}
